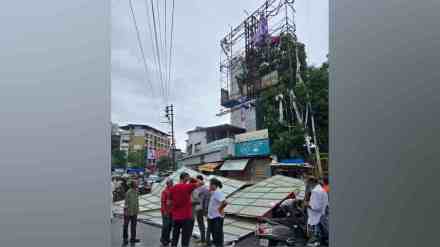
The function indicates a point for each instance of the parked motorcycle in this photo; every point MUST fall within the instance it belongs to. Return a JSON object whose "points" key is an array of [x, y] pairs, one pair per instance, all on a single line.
{"points": [[288, 228]]}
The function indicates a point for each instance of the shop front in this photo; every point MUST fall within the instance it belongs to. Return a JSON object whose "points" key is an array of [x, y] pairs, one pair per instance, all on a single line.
{"points": [[295, 168]]}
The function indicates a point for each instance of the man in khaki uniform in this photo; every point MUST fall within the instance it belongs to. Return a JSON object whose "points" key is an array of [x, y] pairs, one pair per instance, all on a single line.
{"points": [[131, 211]]}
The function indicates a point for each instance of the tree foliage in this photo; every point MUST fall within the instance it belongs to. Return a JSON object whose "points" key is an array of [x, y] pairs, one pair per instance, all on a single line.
{"points": [[119, 159], [287, 137], [318, 82], [136, 159], [164, 163]]}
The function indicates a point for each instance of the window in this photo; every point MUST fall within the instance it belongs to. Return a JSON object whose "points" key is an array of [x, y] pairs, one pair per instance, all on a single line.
{"points": [[189, 149], [197, 147]]}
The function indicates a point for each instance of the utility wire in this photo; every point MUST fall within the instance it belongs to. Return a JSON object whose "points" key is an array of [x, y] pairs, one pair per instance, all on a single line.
{"points": [[157, 45], [165, 50], [141, 48], [171, 43], [150, 30], [163, 64]]}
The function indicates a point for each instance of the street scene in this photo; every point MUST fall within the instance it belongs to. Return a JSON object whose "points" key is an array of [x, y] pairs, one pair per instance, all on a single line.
{"points": [[220, 123]]}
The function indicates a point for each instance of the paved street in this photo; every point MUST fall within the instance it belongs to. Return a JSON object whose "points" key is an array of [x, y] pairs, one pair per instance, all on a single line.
{"points": [[150, 236]]}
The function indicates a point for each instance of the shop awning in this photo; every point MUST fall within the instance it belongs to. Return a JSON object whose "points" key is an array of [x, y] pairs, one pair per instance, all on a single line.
{"points": [[209, 167], [234, 165]]}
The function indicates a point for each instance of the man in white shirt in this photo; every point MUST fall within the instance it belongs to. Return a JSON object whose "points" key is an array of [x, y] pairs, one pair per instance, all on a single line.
{"points": [[217, 204], [316, 209]]}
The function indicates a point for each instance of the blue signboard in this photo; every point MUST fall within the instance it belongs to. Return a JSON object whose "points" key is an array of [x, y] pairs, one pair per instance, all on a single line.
{"points": [[252, 148], [135, 170], [292, 161]]}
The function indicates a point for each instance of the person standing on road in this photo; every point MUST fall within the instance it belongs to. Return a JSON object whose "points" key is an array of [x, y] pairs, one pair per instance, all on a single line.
{"points": [[198, 200], [131, 210], [217, 204], [165, 210], [316, 209], [206, 200], [181, 209]]}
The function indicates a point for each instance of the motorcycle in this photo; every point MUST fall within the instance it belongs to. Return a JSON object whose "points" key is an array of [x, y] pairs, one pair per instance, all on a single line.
{"points": [[288, 228]]}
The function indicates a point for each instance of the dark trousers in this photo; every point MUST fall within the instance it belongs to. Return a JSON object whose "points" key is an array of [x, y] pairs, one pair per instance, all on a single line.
{"points": [[215, 226], [184, 227], [167, 225], [201, 224], [132, 220], [208, 234]]}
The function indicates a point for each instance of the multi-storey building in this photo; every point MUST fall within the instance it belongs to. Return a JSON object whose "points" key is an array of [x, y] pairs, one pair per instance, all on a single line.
{"points": [[137, 137], [115, 137], [201, 136]]}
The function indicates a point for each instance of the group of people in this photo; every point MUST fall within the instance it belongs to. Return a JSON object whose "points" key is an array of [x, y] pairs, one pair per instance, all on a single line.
{"points": [[182, 204], [191, 201]]}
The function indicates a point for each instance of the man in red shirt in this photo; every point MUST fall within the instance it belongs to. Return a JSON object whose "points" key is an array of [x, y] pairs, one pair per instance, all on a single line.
{"points": [[165, 210], [181, 208]]}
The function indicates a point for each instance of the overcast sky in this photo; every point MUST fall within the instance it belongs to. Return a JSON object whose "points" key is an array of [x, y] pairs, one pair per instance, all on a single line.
{"points": [[195, 85]]}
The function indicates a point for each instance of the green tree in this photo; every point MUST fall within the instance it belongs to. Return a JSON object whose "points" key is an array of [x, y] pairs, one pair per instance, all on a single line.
{"points": [[318, 83], [136, 159], [287, 137], [164, 163], [119, 159]]}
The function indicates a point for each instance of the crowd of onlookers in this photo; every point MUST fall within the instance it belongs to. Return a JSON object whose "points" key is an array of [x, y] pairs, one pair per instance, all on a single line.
{"points": [[192, 200]]}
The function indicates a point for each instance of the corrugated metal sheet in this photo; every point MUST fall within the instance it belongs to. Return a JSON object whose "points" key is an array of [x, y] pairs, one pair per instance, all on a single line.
{"points": [[234, 165], [259, 199], [151, 201]]}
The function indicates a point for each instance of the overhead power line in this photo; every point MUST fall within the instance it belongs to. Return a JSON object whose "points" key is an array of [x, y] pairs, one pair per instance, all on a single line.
{"points": [[171, 43], [167, 89], [162, 48], [151, 34], [157, 48], [141, 48]]}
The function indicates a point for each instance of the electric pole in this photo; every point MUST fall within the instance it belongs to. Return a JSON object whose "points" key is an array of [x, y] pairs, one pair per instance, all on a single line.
{"points": [[169, 113]]}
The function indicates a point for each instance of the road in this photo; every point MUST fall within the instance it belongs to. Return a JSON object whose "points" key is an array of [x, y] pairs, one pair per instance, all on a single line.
{"points": [[150, 235]]}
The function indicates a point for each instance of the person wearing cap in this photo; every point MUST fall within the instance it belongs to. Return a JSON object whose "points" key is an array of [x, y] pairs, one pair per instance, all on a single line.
{"points": [[316, 208], [217, 204], [181, 209], [165, 210], [131, 210]]}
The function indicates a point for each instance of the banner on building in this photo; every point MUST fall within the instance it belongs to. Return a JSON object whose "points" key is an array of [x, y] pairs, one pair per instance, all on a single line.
{"points": [[151, 154], [252, 148], [252, 136], [218, 145], [161, 152]]}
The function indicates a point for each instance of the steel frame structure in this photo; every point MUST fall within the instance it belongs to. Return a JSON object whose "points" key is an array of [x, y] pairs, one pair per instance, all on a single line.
{"points": [[238, 46]]}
